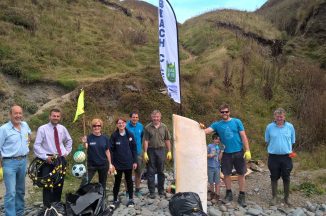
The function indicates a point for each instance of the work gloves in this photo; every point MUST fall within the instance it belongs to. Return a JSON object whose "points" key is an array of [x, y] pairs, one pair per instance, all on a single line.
{"points": [[146, 158], [169, 156], [247, 155], [1, 174]]}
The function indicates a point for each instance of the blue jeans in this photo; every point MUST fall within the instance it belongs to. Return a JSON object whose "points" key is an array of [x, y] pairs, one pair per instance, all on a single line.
{"points": [[14, 172], [213, 175]]}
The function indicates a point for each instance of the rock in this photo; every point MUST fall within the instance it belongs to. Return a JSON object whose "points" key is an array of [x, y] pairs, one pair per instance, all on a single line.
{"points": [[214, 212], [223, 208], [239, 213], [319, 213], [323, 207], [146, 212], [163, 204], [283, 210], [132, 88], [297, 212], [252, 211]]}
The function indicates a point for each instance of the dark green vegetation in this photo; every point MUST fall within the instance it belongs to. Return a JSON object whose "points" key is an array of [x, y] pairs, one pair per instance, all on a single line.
{"points": [[254, 61]]}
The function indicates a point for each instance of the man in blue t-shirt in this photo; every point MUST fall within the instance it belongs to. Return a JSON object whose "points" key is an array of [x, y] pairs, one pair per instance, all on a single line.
{"points": [[280, 136], [236, 151], [137, 129]]}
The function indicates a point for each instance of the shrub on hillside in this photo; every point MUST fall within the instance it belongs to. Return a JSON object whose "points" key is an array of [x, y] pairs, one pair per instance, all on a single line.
{"points": [[306, 85]]}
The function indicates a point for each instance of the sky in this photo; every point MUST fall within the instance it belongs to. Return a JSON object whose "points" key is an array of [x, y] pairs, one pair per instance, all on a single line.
{"points": [[185, 9]]}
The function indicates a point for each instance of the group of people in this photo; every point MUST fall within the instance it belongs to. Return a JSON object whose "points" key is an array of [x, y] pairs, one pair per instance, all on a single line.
{"points": [[129, 147], [230, 149]]}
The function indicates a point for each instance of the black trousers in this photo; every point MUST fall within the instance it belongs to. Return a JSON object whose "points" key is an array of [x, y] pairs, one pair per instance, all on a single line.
{"points": [[280, 166], [117, 182], [102, 175], [155, 165], [51, 195]]}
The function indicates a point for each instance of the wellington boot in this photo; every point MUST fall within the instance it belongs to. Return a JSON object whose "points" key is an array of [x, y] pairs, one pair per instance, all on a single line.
{"points": [[273, 201], [286, 186]]}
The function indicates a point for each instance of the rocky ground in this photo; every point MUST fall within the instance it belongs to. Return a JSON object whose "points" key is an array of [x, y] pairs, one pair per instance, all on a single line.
{"points": [[258, 196]]}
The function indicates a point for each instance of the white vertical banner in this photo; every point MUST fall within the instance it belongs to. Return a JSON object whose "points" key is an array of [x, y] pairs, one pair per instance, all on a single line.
{"points": [[168, 48]]}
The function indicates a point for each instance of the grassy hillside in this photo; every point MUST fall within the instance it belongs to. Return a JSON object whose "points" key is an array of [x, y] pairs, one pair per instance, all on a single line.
{"points": [[228, 65], [71, 41], [304, 22], [110, 49]]}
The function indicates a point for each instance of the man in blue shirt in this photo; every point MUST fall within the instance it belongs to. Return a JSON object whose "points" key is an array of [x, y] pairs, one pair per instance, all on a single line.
{"points": [[235, 140], [14, 141], [137, 129], [280, 136]]}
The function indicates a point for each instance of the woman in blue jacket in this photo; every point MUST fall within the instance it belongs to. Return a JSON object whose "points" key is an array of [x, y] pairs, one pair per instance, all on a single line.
{"points": [[124, 159]]}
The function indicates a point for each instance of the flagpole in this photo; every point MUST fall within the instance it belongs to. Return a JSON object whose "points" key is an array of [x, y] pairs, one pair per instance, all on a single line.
{"points": [[176, 26], [84, 124]]}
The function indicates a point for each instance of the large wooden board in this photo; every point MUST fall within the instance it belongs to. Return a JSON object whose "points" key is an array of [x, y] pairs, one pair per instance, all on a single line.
{"points": [[190, 157]]}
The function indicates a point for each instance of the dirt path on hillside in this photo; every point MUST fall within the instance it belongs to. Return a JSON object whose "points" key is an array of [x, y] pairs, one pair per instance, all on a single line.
{"points": [[190, 58]]}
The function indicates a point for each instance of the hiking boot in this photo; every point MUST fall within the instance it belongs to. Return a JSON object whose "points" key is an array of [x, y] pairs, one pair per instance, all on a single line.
{"points": [[152, 195], [209, 196], [216, 197], [228, 196], [131, 203], [114, 205], [242, 200], [162, 193], [138, 194], [41, 212]]}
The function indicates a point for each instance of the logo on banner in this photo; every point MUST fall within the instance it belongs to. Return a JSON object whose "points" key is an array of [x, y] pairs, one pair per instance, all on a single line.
{"points": [[171, 72]]}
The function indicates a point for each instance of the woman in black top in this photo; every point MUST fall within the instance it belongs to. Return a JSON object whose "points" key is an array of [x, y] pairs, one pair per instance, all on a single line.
{"points": [[124, 159], [98, 154]]}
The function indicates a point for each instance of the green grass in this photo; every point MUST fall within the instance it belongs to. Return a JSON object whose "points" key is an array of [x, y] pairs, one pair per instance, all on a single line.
{"points": [[309, 189], [55, 40], [313, 160]]}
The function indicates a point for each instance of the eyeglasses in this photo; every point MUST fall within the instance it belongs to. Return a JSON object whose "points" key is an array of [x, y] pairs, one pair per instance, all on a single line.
{"points": [[94, 126], [224, 112]]}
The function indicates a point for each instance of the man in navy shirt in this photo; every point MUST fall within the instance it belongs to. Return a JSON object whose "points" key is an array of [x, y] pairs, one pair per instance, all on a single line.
{"points": [[280, 136]]}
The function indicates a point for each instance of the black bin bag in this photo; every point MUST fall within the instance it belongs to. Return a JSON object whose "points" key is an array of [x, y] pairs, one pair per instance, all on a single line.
{"points": [[89, 200], [186, 203]]}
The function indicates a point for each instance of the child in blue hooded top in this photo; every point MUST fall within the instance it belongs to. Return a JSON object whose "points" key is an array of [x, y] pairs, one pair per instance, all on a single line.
{"points": [[214, 155]]}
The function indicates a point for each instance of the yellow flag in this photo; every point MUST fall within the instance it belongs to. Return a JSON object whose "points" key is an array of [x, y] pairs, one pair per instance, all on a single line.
{"points": [[80, 105]]}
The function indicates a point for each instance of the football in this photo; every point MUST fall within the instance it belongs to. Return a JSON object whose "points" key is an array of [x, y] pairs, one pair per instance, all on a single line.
{"points": [[79, 157], [78, 170]]}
